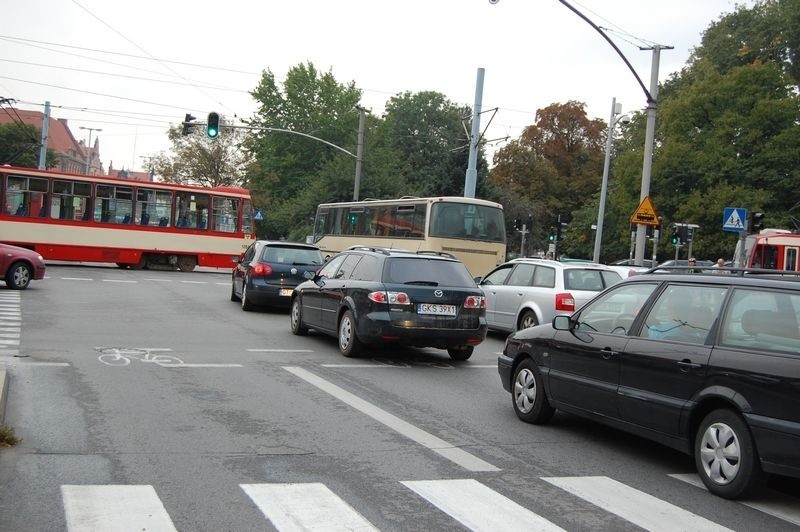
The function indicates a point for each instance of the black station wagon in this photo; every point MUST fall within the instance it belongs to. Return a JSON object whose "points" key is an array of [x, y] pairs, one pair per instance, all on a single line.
{"points": [[707, 364], [369, 297]]}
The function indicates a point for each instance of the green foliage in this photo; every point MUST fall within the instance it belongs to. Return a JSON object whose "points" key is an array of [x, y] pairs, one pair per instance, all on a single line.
{"points": [[411, 150], [196, 159], [19, 146], [7, 436]]}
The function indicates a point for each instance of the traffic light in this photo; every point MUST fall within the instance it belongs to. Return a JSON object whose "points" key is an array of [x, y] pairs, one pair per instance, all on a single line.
{"points": [[676, 238], [689, 234], [552, 236], [756, 222], [187, 125], [212, 125]]}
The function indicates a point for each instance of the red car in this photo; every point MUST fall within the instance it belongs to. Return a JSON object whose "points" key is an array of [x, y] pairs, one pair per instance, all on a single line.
{"points": [[19, 266]]}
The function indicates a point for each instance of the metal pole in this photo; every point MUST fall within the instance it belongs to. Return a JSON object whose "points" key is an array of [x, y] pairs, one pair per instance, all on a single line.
{"points": [[647, 164], [45, 135], [89, 148], [359, 151], [598, 236], [472, 165]]}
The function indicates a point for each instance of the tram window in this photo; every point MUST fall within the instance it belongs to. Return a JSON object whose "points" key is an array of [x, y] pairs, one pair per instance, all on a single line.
{"points": [[224, 214], [114, 204], [191, 210], [247, 217], [71, 200], [153, 207], [25, 196]]}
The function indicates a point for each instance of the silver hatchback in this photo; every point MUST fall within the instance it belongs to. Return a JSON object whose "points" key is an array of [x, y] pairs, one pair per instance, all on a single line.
{"points": [[525, 292]]}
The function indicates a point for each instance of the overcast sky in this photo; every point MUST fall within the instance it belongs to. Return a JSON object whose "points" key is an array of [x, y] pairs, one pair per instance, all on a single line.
{"points": [[133, 68]]}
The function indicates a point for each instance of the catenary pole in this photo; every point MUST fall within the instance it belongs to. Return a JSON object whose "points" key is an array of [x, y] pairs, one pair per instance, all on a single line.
{"points": [[474, 138]]}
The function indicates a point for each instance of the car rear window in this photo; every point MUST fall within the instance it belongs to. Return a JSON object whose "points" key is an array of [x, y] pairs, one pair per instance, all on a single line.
{"points": [[289, 255], [418, 270]]}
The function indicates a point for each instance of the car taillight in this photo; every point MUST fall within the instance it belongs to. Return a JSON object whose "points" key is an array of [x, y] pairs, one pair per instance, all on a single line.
{"points": [[565, 301], [260, 269], [475, 302], [392, 298]]}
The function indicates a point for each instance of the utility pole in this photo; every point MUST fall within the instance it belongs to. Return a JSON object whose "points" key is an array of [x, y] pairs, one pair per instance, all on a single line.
{"points": [[474, 138], [89, 149], [359, 150], [45, 135], [647, 163]]}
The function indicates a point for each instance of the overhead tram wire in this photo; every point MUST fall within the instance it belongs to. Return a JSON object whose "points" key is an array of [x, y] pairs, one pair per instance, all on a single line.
{"points": [[133, 56], [140, 78], [149, 54]]}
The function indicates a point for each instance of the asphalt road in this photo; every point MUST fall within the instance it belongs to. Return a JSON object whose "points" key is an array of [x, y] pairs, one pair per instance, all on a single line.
{"points": [[150, 401]]}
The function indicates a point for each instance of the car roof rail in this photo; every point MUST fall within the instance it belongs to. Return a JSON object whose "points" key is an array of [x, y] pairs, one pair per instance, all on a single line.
{"points": [[375, 249], [728, 270], [436, 253]]}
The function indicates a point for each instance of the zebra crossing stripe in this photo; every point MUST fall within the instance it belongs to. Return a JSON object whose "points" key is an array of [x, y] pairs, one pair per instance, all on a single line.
{"points": [[633, 505], [779, 505], [308, 506], [477, 506], [121, 508]]}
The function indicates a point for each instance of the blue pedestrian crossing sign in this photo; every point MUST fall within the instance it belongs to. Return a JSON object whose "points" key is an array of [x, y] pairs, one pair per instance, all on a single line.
{"points": [[258, 215], [733, 219]]}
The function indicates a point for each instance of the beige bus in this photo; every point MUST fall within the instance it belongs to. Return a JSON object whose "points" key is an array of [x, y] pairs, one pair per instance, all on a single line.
{"points": [[471, 229]]}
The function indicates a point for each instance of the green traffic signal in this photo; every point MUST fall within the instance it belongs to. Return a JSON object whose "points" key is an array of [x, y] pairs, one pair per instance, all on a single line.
{"points": [[212, 125]]}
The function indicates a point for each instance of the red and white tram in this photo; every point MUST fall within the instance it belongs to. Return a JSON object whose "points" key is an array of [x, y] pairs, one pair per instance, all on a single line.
{"points": [[774, 249], [134, 224]]}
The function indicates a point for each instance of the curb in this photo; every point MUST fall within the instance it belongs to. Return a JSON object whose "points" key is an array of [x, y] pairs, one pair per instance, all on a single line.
{"points": [[3, 393]]}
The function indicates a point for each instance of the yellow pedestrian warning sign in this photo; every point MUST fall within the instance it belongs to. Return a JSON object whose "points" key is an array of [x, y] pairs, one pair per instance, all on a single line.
{"points": [[645, 213]]}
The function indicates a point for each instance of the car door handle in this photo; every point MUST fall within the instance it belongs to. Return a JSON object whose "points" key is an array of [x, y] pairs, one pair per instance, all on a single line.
{"points": [[607, 353], [687, 365]]}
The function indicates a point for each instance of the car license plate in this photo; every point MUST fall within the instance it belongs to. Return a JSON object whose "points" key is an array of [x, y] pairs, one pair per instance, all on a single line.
{"points": [[285, 291], [435, 308]]}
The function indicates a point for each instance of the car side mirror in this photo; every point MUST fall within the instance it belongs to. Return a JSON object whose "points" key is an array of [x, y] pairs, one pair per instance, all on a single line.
{"points": [[236, 260], [562, 323]]}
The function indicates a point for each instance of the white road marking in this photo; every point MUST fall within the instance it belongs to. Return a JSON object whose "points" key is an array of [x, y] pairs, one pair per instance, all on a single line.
{"points": [[157, 280], [114, 507], [76, 279], [195, 282], [118, 281], [779, 505], [302, 507], [280, 350], [445, 449], [478, 507], [641, 509]]}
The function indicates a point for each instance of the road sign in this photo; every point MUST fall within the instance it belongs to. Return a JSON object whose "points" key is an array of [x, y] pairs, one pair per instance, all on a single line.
{"points": [[259, 216], [645, 213], [733, 219]]}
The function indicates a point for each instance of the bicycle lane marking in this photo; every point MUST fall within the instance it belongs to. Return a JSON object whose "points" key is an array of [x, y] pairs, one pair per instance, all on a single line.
{"points": [[123, 356]]}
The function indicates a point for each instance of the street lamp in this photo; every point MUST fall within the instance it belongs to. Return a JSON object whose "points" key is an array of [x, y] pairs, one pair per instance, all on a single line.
{"points": [[89, 146], [616, 109]]}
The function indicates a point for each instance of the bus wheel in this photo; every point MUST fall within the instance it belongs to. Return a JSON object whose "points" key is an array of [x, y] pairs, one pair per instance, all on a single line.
{"points": [[186, 263]]}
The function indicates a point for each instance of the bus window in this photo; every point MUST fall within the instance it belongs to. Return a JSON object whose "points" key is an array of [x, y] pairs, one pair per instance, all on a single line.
{"points": [[153, 207], [114, 204], [224, 213], [191, 210], [447, 219]]}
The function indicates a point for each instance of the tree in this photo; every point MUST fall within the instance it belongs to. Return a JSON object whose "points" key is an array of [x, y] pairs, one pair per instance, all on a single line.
{"points": [[19, 146], [286, 167], [553, 167], [198, 160]]}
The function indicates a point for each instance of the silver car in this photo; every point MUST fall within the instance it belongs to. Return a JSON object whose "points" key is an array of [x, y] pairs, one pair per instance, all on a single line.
{"points": [[525, 292]]}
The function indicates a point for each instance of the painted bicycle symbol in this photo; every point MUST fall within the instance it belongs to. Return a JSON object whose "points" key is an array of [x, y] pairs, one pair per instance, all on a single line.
{"points": [[122, 356]]}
